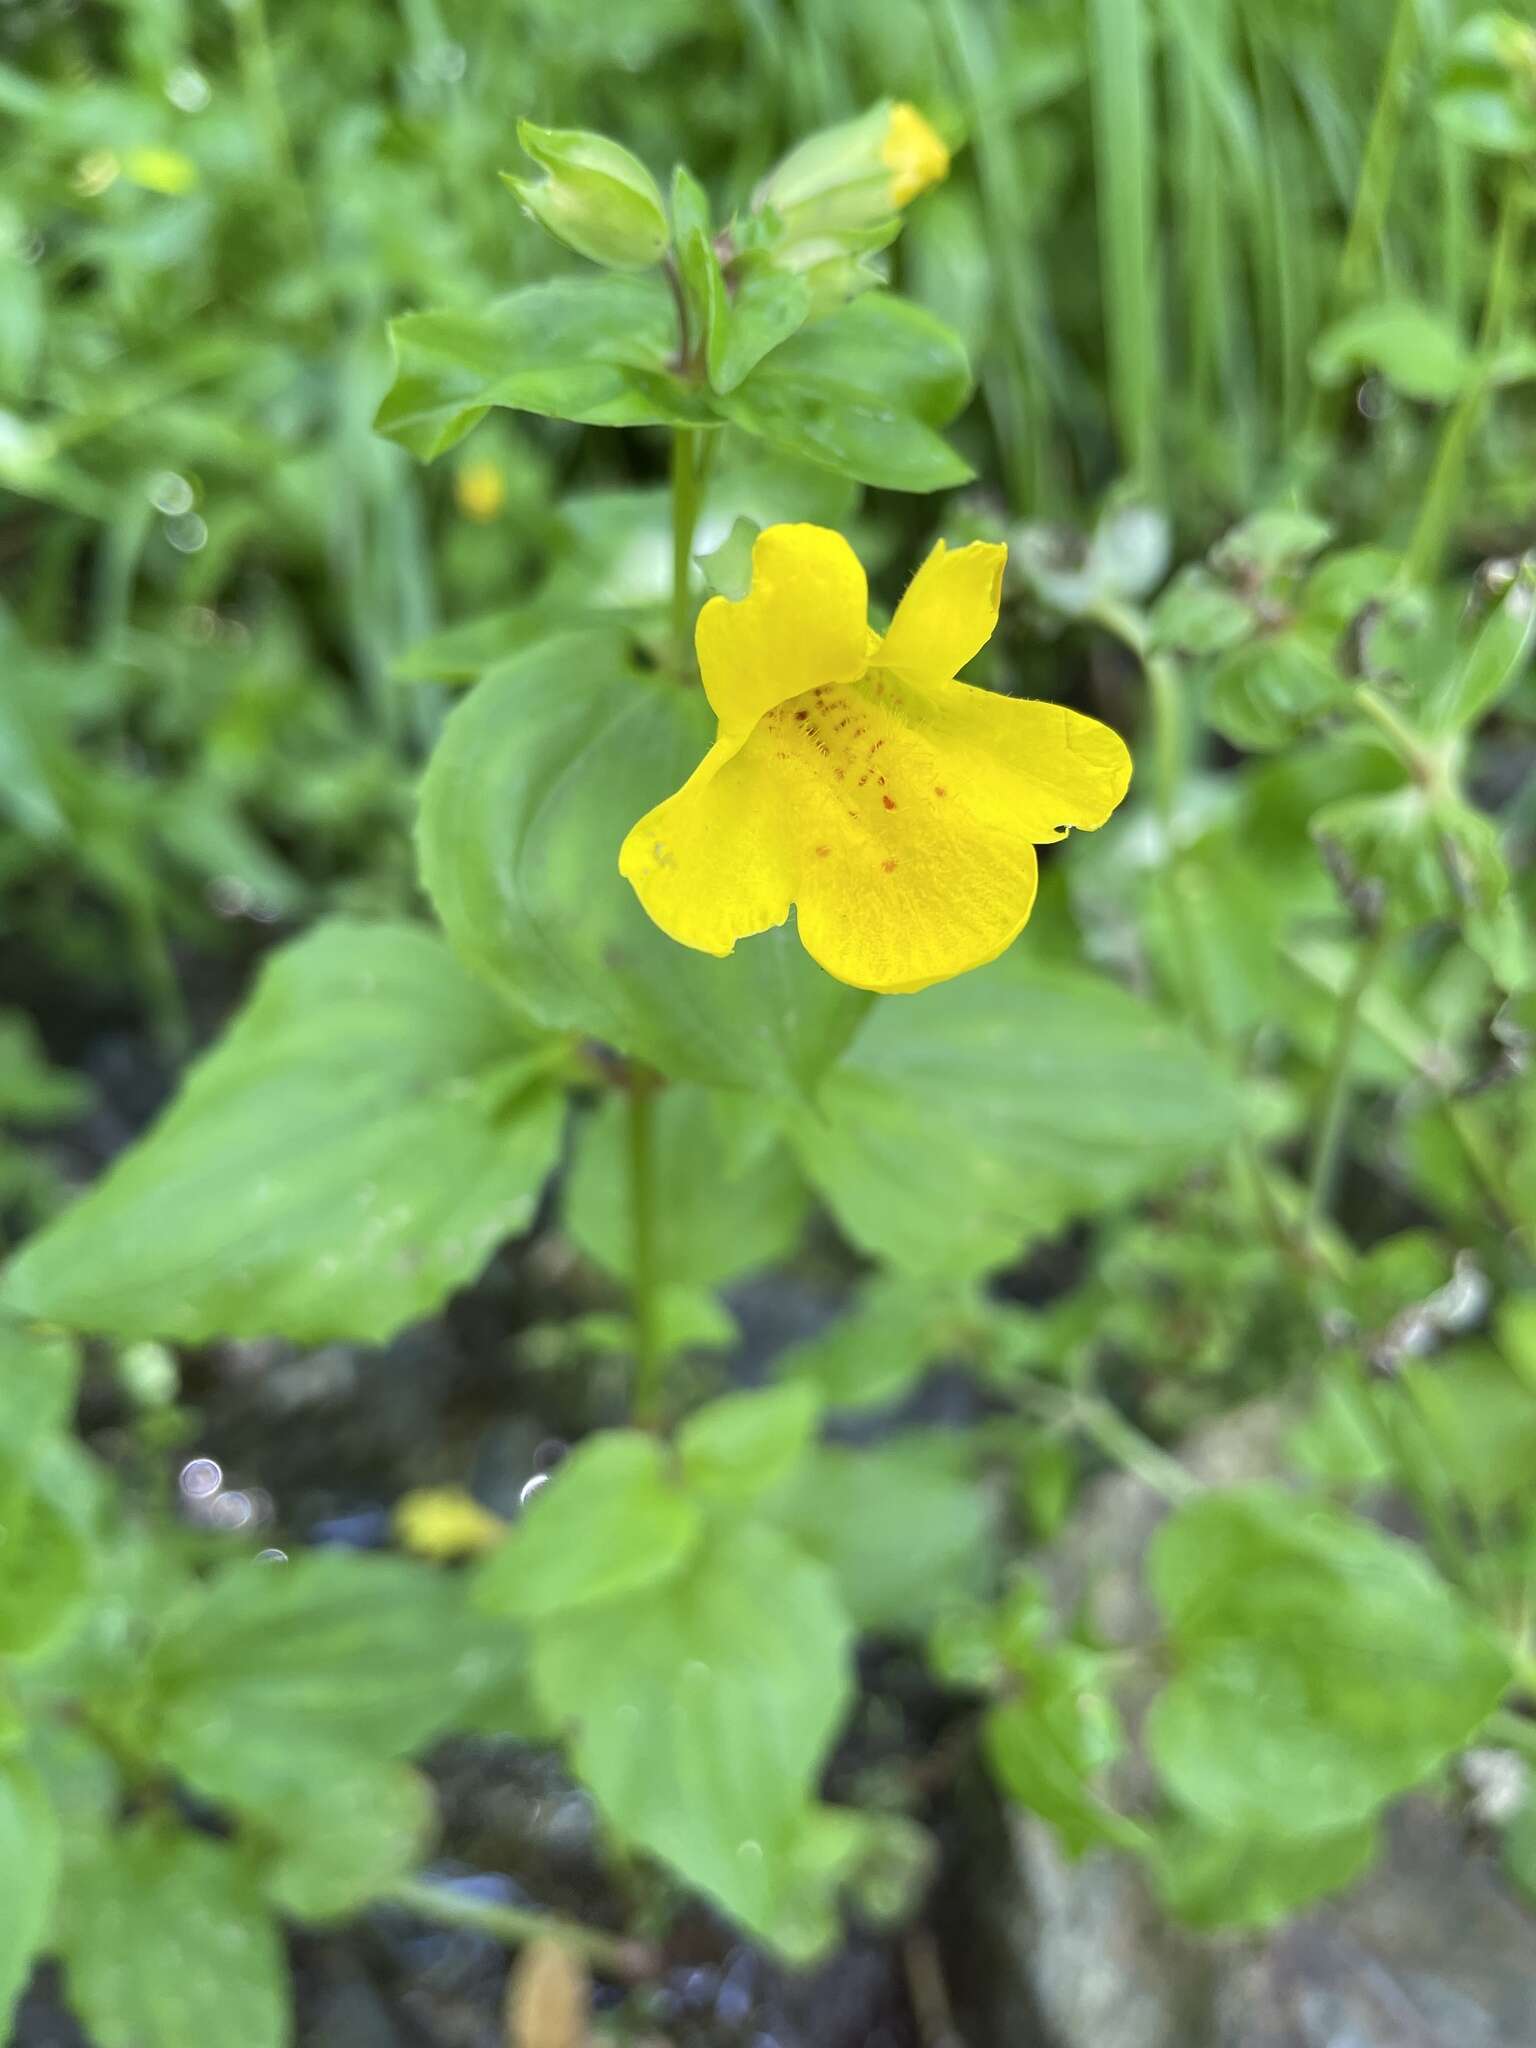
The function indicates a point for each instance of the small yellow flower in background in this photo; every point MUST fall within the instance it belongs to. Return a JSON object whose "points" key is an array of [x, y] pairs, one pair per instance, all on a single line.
{"points": [[480, 490], [852, 179], [913, 154], [445, 1522], [160, 170], [853, 777]]}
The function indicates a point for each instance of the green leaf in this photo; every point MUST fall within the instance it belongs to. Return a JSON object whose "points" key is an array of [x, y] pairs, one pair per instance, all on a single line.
{"points": [[767, 308], [1199, 614], [610, 1524], [1267, 543], [1001, 1105], [596, 349], [1414, 348], [744, 1445], [29, 1875], [863, 392], [1266, 691], [1211, 1880], [342, 1830], [335, 1651], [1494, 663], [32, 1091], [727, 569], [1434, 856], [1049, 1744], [1322, 1667], [719, 1216], [167, 1943], [1481, 1423], [538, 775], [702, 1710], [1485, 96], [903, 1527], [371, 1126], [875, 1352], [39, 1377], [45, 1560]]}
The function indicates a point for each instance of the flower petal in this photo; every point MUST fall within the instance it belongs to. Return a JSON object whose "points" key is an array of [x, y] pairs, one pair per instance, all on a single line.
{"points": [[1038, 767], [802, 622], [929, 897], [948, 613], [711, 865]]}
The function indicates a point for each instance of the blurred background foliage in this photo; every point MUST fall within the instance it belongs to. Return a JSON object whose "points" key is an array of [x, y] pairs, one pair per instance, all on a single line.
{"points": [[1246, 291]]}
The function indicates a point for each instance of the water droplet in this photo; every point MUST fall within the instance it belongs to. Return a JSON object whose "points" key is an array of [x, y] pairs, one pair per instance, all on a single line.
{"points": [[170, 493], [187, 534], [200, 1478], [187, 88]]}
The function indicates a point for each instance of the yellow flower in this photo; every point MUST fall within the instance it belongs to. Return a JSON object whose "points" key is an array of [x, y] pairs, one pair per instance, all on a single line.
{"points": [[853, 777], [480, 490], [444, 1522], [913, 154]]}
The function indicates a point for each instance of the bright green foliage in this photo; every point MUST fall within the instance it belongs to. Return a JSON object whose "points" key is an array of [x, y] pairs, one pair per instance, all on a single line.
{"points": [[1049, 1743], [256, 1666], [166, 1942], [1002, 1103], [1322, 1667], [1234, 1880], [1412, 347], [342, 1828], [696, 1656], [29, 1869], [735, 1199], [904, 1528], [527, 884], [373, 1125], [864, 392], [612, 1525]]}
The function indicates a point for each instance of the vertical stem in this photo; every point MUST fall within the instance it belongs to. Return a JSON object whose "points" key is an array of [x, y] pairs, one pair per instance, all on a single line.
{"points": [[1336, 1087], [1124, 153], [1168, 766], [1422, 561], [645, 1302], [1362, 244], [685, 514]]}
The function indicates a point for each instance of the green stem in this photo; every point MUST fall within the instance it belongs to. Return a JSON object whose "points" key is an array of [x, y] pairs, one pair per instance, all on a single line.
{"points": [[1336, 1085], [1167, 770], [650, 1357], [686, 477], [1426, 548], [1362, 244], [614, 1954], [1125, 1445], [1422, 765]]}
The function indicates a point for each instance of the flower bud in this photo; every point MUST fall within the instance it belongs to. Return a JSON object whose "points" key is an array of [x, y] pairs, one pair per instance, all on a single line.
{"points": [[597, 198], [857, 175]]}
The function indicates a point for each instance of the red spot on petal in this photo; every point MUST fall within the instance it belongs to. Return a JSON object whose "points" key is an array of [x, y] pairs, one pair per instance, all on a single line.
{"points": [[939, 789], [889, 802], [889, 866]]}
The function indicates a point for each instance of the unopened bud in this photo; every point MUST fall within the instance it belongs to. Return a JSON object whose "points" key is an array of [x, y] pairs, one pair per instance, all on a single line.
{"points": [[856, 175], [596, 198]]}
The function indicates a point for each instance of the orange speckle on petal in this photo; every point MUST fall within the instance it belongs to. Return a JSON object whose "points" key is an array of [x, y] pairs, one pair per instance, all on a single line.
{"points": [[822, 852], [939, 789], [889, 866], [889, 802]]}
